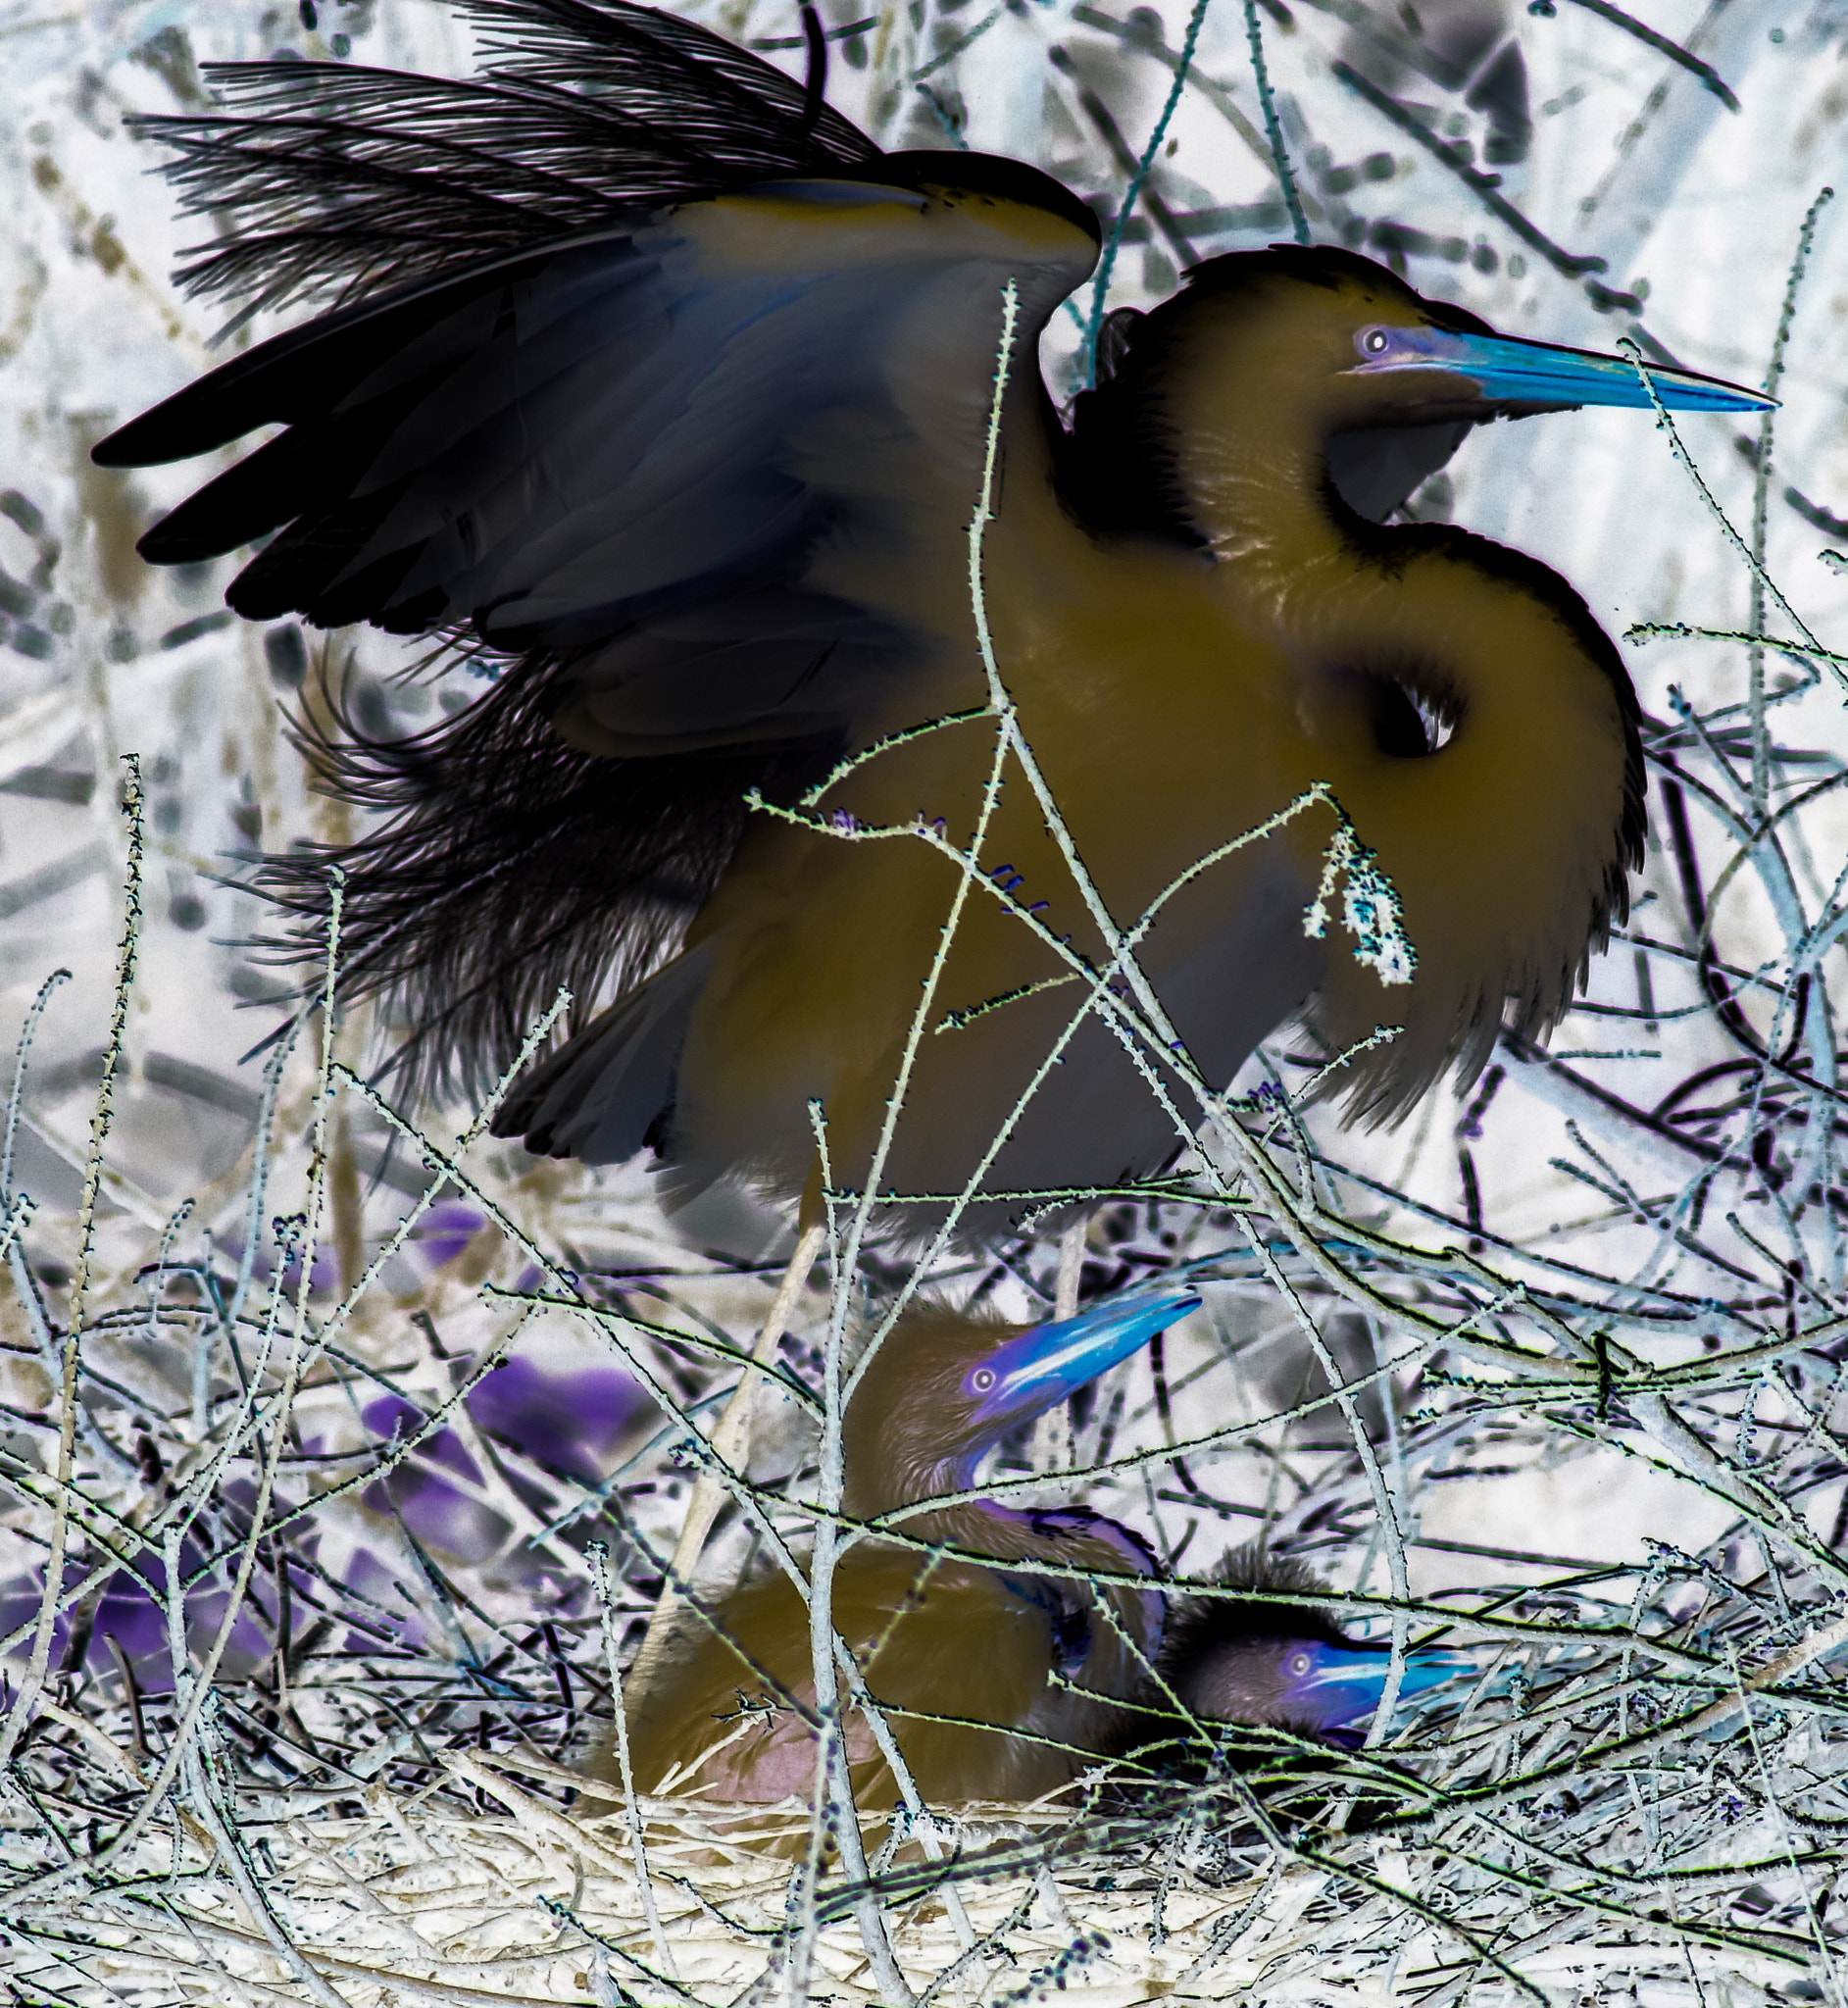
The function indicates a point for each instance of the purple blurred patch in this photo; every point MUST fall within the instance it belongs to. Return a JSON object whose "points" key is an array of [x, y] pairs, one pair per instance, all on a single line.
{"points": [[436, 1511], [571, 1421], [446, 1229], [322, 1277], [131, 1608]]}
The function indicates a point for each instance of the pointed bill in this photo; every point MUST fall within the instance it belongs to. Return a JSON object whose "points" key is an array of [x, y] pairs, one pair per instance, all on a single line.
{"points": [[1344, 1684], [1053, 1361], [1536, 374]]}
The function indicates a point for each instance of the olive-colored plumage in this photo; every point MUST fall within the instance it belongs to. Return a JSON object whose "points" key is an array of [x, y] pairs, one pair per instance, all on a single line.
{"points": [[687, 436], [729, 1711]]}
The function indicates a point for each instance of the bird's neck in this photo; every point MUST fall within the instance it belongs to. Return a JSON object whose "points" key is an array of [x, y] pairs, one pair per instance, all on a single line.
{"points": [[988, 1526], [883, 1480], [1261, 497], [888, 1470], [885, 1470], [1507, 847]]}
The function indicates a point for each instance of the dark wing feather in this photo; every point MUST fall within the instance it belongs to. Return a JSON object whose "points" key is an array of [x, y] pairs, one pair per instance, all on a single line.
{"points": [[637, 441], [649, 456], [342, 179]]}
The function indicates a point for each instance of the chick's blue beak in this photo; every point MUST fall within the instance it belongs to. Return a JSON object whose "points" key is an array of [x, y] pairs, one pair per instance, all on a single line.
{"points": [[1509, 371], [1026, 1377], [1341, 1685]]}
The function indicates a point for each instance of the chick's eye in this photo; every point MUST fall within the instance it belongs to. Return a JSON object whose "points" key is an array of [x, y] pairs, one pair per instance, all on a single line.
{"points": [[981, 1379], [1375, 341], [1300, 1662]]}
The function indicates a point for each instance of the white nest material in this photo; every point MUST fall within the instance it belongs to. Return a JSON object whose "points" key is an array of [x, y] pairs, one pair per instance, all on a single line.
{"points": [[538, 1905]]}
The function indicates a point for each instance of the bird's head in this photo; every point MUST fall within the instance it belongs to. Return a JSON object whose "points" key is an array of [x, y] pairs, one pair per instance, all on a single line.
{"points": [[1316, 353], [1472, 718], [946, 1386], [1283, 1665]]}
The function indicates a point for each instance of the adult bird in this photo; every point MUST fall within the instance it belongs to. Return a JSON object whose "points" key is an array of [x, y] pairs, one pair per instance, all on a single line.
{"points": [[999, 1667], [663, 395]]}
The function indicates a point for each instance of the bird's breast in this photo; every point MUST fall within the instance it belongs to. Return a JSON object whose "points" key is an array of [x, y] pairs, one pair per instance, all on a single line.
{"points": [[1162, 726]]}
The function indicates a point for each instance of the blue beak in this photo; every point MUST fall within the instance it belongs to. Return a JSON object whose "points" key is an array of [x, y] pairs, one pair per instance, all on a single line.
{"points": [[1052, 1361], [1343, 1684], [1507, 370]]}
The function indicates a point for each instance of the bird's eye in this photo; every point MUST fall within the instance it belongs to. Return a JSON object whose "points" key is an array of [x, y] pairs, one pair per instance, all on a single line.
{"points": [[981, 1379], [1300, 1664], [1374, 341]]}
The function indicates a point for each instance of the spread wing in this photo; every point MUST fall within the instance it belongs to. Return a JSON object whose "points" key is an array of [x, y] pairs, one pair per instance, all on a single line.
{"points": [[693, 472], [660, 458]]}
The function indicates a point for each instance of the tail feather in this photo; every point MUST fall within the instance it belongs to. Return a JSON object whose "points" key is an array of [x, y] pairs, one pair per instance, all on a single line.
{"points": [[508, 863], [609, 1092]]}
